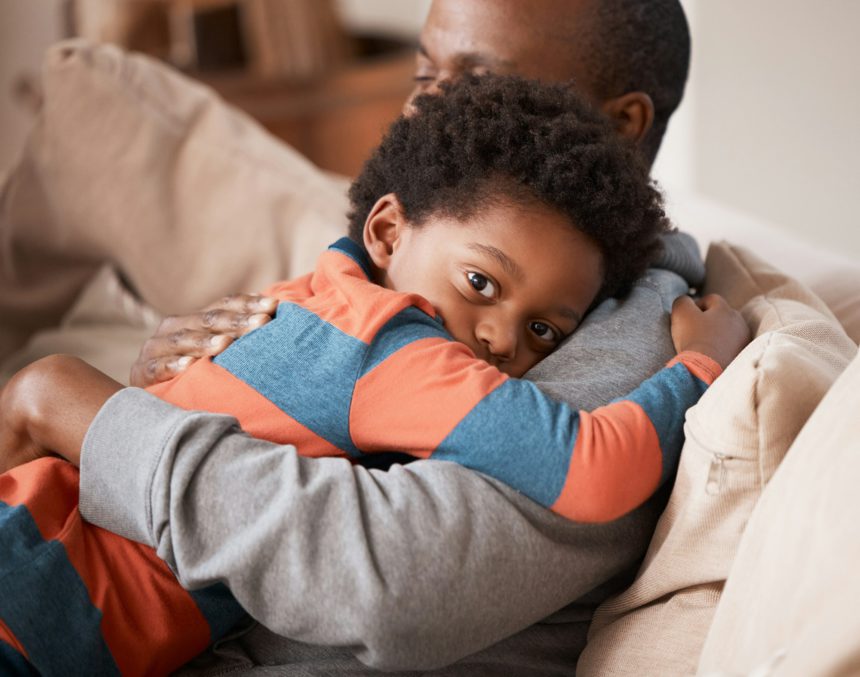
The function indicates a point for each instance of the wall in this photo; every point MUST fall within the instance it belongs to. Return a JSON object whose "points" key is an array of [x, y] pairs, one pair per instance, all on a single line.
{"points": [[399, 17], [769, 121]]}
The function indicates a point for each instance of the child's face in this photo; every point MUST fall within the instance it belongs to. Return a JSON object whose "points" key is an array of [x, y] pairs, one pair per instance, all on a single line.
{"points": [[510, 283]]}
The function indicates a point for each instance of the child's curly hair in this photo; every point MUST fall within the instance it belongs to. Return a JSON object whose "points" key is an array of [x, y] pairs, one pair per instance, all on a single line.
{"points": [[502, 137]]}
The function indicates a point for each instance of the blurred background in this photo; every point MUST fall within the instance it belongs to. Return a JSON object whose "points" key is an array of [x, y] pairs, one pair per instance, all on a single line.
{"points": [[767, 126]]}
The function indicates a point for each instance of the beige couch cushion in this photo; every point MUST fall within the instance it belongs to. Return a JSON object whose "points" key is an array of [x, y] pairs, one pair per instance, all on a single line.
{"points": [[735, 438], [135, 164], [791, 600], [106, 326]]}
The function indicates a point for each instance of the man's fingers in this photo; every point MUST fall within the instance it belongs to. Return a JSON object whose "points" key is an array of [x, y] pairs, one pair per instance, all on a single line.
{"points": [[145, 373], [165, 368], [230, 322], [245, 304], [180, 339], [232, 315], [215, 321], [162, 357], [185, 342]]}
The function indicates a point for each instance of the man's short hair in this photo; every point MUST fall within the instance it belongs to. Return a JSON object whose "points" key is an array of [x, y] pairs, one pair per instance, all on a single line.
{"points": [[496, 138], [638, 46]]}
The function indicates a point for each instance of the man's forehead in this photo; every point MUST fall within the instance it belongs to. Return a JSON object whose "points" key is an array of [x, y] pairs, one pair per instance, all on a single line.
{"points": [[536, 38], [526, 20]]}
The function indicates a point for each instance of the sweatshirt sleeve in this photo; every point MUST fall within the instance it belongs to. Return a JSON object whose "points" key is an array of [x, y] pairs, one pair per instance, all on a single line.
{"points": [[325, 552], [586, 466]]}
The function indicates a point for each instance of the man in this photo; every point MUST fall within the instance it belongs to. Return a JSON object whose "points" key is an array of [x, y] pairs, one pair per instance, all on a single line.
{"points": [[428, 563]]}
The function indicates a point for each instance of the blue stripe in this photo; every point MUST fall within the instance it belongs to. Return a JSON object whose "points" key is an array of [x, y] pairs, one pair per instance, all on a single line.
{"points": [[305, 366], [357, 253], [665, 398], [519, 436], [409, 325], [14, 664], [45, 603], [219, 608]]}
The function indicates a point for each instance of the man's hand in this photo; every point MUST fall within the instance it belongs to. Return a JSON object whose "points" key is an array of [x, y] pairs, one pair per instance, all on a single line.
{"points": [[47, 407], [709, 326], [182, 339]]}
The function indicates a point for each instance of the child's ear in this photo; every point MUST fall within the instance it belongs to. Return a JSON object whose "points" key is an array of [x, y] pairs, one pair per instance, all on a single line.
{"points": [[383, 228], [632, 113]]}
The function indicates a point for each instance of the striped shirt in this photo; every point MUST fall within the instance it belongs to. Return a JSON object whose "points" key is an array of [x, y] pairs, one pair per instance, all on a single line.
{"points": [[349, 368]]}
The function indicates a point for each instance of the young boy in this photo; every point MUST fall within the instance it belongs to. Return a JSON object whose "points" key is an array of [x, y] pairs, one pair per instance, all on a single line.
{"points": [[470, 258]]}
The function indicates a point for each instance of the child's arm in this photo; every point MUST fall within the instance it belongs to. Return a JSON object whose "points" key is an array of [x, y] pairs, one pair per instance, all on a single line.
{"points": [[35, 419], [431, 398]]}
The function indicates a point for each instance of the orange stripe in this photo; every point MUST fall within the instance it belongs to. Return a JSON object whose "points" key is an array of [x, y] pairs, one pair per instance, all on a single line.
{"points": [[209, 387], [615, 467], [341, 295], [149, 622], [412, 400], [10, 639], [295, 290], [701, 366]]}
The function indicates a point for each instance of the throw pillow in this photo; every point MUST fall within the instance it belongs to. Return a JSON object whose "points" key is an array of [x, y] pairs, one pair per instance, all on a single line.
{"points": [[791, 598]]}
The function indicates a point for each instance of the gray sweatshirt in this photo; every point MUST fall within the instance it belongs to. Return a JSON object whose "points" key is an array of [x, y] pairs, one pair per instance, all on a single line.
{"points": [[347, 569]]}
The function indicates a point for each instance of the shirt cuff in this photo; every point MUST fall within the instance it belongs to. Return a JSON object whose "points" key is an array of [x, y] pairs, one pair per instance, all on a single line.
{"points": [[699, 365], [120, 455]]}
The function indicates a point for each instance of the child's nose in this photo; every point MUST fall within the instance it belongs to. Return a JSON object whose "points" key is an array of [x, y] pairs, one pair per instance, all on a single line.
{"points": [[499, 339]]}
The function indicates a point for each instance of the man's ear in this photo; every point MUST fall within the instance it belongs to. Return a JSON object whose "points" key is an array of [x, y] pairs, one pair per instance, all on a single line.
{"points": [[383, 229], [632, 113]]}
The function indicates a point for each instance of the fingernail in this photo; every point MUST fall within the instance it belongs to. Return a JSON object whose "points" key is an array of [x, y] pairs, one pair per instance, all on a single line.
{"points": [[266, 303], [216, 340], [257, 320], [183, 362]]}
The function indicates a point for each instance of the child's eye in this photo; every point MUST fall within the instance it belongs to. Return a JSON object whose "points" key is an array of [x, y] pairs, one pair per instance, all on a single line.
{"points": [[482, 284], [544, 332]]}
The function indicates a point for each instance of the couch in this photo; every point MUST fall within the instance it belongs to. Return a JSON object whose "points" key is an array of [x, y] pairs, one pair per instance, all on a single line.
{"points": [[750, 569]]}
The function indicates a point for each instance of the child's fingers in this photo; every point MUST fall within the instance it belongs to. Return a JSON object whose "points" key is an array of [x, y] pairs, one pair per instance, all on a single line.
{"points": [[710, 301], [684, 306]]}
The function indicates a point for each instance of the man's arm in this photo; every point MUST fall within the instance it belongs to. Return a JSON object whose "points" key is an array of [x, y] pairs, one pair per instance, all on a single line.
{"points": [[409, 568], [445, 561]]}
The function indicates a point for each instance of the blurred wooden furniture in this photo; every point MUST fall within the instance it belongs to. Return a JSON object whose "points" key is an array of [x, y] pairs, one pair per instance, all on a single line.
{"points": [[335, 120], [288, 63]]}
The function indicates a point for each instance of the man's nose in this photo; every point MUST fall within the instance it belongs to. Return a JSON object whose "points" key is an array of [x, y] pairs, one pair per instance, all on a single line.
{"points": [[498, 338]]}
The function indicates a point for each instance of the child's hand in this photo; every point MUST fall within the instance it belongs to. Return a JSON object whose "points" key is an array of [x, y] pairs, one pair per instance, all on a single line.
{"points": [[709, 326], [47, 407]]}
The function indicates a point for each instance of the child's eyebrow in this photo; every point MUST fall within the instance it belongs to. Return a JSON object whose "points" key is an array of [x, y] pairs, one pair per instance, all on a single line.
{"points": [[510, 267], [571, 313]]}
